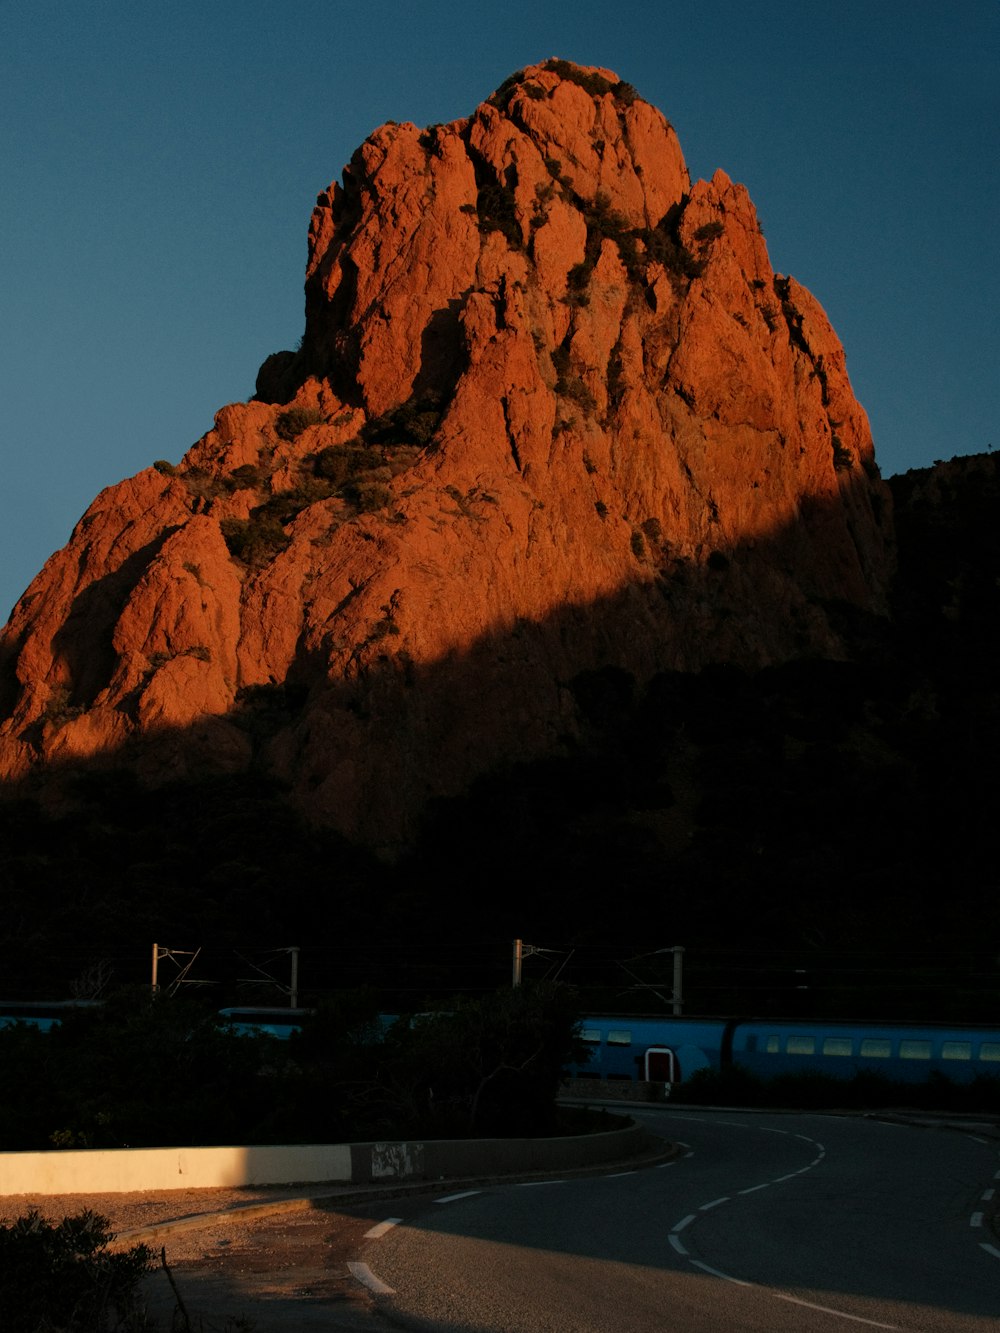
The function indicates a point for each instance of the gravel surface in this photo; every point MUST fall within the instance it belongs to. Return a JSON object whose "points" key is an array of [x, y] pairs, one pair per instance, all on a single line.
{"points": [[281, 1272], [142, 1208]]}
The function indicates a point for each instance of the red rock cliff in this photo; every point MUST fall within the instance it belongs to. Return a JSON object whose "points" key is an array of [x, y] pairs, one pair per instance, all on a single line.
{"points": [[553, 409]]}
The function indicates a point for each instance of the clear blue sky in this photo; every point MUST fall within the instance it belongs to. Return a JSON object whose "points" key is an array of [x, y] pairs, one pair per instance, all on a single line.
{"points": [[158, 164]]}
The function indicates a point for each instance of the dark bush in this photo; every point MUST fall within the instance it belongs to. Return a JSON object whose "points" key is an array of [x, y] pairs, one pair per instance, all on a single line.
{"points": [[368, 496], [413, 422], [247, 477], [501, 98], [286, 505], [289, 425], [589, 80], [497, 211], [843, 459], [254, 541], [666, 250], [340, 462], [63, 1277], [709, 232], [97, 1079]]}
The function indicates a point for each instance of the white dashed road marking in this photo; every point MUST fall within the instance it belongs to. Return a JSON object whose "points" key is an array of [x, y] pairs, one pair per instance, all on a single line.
{"points": [[450, 1198], [382, 1227], [679, 1247]]}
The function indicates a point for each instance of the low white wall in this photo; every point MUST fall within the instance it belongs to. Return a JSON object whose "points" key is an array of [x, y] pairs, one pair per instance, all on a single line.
{"points": [[121, 1170], [118, 1170]]}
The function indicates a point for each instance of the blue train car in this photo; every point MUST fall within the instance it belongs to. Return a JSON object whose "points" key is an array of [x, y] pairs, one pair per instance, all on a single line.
{"points": [[669, 1049], [904, 1053], [41, 1014], [280, 1023], [636, 1046]]}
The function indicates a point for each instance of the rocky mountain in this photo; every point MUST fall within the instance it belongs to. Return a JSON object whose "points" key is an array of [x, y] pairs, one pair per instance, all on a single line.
{"points": [[553, 412]]}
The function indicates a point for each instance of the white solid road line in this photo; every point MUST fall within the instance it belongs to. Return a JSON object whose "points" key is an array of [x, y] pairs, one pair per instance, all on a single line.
{"points": [[368, 1279], [826, 1309]]}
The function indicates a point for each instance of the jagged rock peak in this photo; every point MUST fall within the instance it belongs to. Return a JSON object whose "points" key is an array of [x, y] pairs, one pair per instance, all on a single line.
{"points": [[558, 158], [552, 411]]}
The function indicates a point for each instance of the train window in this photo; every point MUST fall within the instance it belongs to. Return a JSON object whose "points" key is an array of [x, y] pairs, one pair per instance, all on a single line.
{"points": [[751, 1042], [956, 1050], [914, 1050], [876, 1048], [801, 1046], [773, 1045], [990, 1050], [590, 1034], [838, 1046], [619, 1038]]}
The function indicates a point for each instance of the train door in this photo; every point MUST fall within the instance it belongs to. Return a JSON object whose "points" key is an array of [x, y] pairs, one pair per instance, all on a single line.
{"points": [[660, 1065]]}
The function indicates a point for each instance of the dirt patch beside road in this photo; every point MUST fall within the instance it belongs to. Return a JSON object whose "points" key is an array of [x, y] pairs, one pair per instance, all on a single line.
{"points": [[280, 1273], [283, 1272]]}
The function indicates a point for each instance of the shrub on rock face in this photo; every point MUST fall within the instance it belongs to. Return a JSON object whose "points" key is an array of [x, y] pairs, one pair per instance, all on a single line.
{"points": [[290, 425], [254, 542]]}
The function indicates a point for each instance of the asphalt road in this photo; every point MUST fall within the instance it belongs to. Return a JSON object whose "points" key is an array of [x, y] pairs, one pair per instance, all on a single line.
{"points": [[767, 1222]]}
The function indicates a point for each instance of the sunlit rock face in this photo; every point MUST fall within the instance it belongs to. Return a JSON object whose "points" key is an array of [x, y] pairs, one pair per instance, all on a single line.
{"points": [[552, 411]]}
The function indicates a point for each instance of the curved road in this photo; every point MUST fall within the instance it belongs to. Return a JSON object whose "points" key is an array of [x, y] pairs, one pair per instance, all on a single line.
{"points": [[766, 1222]]}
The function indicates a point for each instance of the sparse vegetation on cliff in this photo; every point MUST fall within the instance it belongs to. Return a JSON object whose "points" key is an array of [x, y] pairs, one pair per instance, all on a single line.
{"points": [[290, 425]]}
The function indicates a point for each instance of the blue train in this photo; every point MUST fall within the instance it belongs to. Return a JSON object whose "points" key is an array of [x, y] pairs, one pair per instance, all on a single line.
{"points": [[670, 1049], [41, 1014], [280, 1023]]}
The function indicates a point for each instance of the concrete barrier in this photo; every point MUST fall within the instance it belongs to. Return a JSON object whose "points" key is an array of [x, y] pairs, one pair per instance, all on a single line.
{"points": [[121, 1170]]}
